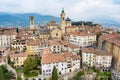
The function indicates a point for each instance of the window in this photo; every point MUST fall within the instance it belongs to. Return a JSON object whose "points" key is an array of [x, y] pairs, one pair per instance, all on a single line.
{"points": [[86, 55], [43, 70], [56, 34]]}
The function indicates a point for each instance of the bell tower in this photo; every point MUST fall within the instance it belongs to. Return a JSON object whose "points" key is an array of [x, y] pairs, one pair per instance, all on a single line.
{"points": [[63, 24], [31, 22]]}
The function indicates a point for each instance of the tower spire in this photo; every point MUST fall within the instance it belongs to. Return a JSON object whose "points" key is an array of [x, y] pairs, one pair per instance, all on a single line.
{"points": [[62, 10], [62, 15]]}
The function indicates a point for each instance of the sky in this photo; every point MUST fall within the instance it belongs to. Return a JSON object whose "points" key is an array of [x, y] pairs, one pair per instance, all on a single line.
{"points": [[75, 9]]}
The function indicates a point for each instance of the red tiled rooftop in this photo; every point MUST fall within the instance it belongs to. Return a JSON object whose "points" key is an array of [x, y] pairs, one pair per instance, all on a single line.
{"points": [[18, 55]]}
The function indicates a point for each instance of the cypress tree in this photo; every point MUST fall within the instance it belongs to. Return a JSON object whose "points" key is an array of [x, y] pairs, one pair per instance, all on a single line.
{"points": [[17, 30], [54, 74]]}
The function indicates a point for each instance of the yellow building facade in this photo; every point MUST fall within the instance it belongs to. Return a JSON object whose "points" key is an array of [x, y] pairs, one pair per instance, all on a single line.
{"points": [[56, 33], [72, 29], [18, 59]]}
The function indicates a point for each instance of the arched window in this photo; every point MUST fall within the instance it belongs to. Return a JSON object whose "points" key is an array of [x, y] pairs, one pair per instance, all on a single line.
{"points": [[56, 34], [63, 18]]}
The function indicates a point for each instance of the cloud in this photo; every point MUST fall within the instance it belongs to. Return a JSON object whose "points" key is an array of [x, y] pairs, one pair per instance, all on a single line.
{"points": [[75, 9]]}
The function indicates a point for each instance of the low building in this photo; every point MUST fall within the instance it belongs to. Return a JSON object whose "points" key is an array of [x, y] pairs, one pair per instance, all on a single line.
{"points": [[88, 56], [44, 32], [18, 44], [18, 59], [64, 62], [72, 29], [103, 60], [82, 39], [33, 47], [6, 38], [95, 58], [56, 47]]}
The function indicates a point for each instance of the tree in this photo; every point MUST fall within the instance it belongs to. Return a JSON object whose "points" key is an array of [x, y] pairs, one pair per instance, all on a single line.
{"points": [[1, 74], [31, 63], [4, 69], [9, 75], [54, 74], [97, 77], [26, 78], [17, 30], [5, 73], [80, 73], [105, 78]]}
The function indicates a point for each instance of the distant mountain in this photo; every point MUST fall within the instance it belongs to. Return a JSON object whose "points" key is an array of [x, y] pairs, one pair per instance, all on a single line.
{"points": [[106, 21], [8, 19], [19, 19]]}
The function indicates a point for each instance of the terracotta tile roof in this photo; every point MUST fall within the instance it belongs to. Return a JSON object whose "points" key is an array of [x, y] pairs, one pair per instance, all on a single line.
{"points": [[109, 36], [64, 42], [8, 33], [112, 38], [75, 57], [55, 58], [95, 30], [117, 41], [96, 51], [31, 42], [68, 54], [72, 27], [53, 42], [82, 34], [52, 58], [89, 50], [46, 51], [104, 53], [19, 55], [73, 46]]}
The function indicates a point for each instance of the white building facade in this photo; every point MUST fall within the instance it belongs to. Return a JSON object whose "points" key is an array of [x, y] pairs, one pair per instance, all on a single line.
{"points": [[82, 39], [64, 62], [5, 39], [98, 59], [103, 61]]}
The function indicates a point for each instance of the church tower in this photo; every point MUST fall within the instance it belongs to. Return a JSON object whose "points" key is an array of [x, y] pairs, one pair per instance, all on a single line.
{"points": [[63, 24], [31, 22]]}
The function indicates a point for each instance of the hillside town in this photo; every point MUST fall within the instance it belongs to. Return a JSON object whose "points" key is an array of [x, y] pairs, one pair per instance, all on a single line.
{"points": [[73, 52]]}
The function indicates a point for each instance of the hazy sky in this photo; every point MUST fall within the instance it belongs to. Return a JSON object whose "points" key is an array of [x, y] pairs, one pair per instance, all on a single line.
{"points": [[75, 9]]}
